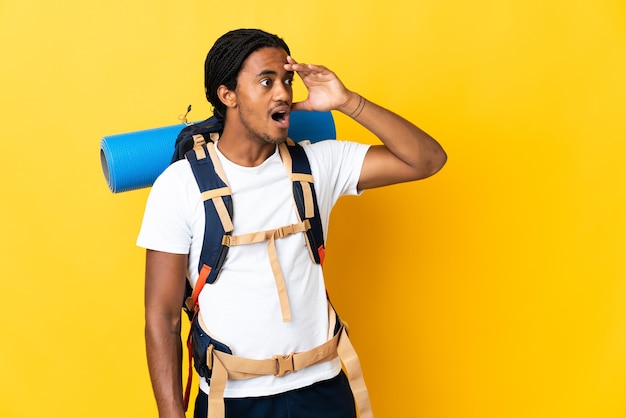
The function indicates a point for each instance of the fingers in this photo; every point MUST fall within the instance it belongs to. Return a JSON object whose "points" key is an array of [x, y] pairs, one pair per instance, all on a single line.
{"points": [[325, 90], [303, 69]]}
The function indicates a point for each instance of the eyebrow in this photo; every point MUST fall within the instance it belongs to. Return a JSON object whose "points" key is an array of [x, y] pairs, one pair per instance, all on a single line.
{"points": [[272, 72]]}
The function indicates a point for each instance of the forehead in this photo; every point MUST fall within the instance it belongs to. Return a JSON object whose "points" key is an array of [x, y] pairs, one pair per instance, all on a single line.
{"points": [[264, 60]]}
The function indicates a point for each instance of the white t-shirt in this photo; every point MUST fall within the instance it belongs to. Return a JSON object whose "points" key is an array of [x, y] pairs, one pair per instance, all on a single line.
{"points": [[242, 309]]}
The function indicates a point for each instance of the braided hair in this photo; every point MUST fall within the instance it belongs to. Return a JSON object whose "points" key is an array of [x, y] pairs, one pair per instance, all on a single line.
{"points": [[225, 59]]}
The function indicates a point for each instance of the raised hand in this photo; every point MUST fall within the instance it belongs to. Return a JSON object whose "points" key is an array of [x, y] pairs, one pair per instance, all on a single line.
{"points": [[325, 90]]}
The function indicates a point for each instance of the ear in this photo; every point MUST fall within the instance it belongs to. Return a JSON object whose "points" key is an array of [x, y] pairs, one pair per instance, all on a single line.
{"points": [[228, 97]]}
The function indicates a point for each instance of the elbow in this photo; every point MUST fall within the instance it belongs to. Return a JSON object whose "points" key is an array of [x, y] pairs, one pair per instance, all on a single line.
{"points": [[439, 161], [160, 322], [434, 164]]}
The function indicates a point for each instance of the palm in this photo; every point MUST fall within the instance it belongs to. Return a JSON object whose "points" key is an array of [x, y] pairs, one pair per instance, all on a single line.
{"points": [[325, 90]]}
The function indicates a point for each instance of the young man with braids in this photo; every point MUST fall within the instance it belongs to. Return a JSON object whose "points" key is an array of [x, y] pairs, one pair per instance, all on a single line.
{"points": [[248, 80]]}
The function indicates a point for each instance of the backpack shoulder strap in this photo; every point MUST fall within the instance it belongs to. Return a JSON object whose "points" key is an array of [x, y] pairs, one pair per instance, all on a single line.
{"points": [[218, 208], [299, 170]]}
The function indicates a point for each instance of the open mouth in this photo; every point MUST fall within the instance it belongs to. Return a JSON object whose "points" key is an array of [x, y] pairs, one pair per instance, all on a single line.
{"points": [[281, 117]]}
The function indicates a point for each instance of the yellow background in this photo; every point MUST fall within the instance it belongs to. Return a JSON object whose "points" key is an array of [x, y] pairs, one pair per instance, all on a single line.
{"points": [[495, 289]]}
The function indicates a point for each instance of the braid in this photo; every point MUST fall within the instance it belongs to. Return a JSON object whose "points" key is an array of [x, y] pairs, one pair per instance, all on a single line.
{"points": [[226, 57]]}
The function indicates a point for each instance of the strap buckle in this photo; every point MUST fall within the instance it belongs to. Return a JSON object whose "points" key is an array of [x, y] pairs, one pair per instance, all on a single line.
{"points": [[284, 365], [284, 231]]}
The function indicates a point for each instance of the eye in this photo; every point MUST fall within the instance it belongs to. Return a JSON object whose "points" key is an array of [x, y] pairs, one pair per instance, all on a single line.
{"points": [[266, 82], [289, 81]]}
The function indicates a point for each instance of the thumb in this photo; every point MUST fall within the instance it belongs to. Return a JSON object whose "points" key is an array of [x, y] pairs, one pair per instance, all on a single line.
{"points": [[301, 106]]}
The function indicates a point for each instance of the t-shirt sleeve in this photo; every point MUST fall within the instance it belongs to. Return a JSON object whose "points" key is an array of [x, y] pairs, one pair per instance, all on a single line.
{"points": [[166, 224], [337, 166]]}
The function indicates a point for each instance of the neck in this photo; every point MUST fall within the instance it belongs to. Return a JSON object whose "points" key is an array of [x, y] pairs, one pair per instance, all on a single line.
{"points": [[243, 151]]}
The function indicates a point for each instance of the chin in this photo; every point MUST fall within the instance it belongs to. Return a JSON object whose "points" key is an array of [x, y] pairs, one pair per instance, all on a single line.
{"points": [[275, 139]]}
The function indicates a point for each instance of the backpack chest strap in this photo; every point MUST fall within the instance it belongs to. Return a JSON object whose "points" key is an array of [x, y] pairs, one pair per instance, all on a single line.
{"points": [[255, 237], [270, 236]]}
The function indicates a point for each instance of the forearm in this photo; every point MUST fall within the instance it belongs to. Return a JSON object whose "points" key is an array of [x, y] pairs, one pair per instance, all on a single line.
{"points": [[406, 141], [164, 354], [165, 284], [417, 155]]}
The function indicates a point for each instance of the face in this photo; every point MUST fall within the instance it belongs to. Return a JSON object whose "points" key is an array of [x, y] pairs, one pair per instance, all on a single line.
{"points": [[263, 96]]}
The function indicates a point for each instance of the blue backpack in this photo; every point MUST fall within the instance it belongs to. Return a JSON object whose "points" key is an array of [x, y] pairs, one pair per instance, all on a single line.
{"points": [[196, 144]]}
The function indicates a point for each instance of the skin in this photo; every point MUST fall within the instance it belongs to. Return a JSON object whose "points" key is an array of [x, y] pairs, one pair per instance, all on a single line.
{"points": [[164, 290], [250, 135]]}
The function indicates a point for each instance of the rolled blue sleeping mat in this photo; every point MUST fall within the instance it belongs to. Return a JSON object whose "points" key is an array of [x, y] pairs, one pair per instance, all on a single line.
{"points": [[134, 160]]}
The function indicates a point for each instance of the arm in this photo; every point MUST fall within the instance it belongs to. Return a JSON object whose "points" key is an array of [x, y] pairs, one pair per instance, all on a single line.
{"points": [[165, 287], [407, 153]]}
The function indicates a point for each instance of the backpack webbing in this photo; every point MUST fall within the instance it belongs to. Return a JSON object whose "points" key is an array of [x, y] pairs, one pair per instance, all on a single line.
{"points": [[226, 366], [217, 199]]}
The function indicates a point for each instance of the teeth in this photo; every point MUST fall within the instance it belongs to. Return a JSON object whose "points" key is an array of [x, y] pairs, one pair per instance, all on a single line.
{"points": [[279, 116]]}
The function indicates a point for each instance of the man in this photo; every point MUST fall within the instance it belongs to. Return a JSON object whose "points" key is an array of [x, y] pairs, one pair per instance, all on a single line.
{"points": [[248, 80]]}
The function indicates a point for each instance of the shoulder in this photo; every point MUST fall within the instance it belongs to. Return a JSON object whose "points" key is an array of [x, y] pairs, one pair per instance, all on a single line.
{"points": [[328, 156], [336, 166], [176, 186], [171, 210], [175, 178], [335, 150]]}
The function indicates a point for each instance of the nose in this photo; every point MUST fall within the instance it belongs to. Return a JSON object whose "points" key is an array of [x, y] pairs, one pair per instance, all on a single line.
{"points": [[282, 92]]}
